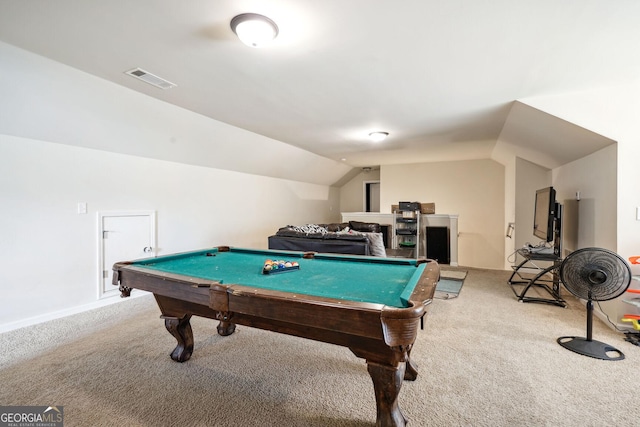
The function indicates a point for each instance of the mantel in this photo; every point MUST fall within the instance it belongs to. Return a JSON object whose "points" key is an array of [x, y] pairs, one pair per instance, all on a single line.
{"points": [[434, 220]]}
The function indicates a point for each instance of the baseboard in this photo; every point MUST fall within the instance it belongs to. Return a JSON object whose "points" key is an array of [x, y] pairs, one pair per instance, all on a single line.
{"points": [[6, 327]]}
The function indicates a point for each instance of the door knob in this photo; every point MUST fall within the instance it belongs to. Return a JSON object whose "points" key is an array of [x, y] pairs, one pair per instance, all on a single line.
{"points": [[148, 249]]}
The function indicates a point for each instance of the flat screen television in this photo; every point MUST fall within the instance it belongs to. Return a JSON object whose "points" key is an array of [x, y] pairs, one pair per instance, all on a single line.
{"points": [[544, 214]]}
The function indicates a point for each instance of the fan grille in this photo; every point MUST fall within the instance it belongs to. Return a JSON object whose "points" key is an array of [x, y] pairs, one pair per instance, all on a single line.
{"points": [[595, 274]]}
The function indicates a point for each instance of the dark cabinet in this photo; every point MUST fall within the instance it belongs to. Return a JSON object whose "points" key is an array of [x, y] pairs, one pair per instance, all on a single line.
{"points": [[437, 242]]}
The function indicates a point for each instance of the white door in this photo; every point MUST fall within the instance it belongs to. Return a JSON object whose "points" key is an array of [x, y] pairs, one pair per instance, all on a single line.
{"points": [[124, 236]]}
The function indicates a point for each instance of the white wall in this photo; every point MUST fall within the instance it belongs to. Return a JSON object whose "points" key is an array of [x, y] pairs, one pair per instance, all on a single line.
{"points": [[597, 216], [530, 177], [69, 137], [49, 252], [352, 193], [473, 189], [595, 177]]}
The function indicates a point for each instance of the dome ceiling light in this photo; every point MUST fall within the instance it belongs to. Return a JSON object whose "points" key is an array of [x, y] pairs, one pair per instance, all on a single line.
{"points": [[254, 30], [378, 136]]}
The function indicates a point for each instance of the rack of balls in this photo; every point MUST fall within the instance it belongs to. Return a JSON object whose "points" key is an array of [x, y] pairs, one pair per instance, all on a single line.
{"points": [[279, 266]]}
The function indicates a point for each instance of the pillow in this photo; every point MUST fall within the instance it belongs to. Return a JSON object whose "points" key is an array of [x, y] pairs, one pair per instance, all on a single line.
{"points": [[371, 227], [376, 245]]}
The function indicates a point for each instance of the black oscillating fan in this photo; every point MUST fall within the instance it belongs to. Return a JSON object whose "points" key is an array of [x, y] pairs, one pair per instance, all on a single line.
{"points": [[594, 274]]}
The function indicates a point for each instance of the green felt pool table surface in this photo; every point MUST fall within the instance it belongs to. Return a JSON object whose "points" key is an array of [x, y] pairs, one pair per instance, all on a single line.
{"points": [[353, 278]]}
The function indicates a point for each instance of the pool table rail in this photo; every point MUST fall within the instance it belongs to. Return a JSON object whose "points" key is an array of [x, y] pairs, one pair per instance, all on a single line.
{"points": [[370, 320], [128, 276]]}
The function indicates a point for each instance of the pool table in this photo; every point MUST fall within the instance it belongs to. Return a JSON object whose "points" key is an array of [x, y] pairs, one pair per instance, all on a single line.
{"points": [[371, 305]]}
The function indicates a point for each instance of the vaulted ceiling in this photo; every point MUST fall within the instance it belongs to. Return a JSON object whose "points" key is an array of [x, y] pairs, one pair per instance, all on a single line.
{"points": [[442, 77]]}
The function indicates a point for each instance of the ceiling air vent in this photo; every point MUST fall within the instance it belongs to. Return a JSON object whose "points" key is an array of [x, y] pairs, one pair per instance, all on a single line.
{"points": [[152, 79]]}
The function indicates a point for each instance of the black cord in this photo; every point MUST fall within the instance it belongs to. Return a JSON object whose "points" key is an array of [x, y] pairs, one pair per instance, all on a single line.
{"points": [[609, 320]]}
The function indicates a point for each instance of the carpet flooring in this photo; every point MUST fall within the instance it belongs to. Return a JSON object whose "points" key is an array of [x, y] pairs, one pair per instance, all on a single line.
{"points": [[484, 360]]}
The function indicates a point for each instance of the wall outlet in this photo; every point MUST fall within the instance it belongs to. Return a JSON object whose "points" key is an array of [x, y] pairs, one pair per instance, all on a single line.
{"points": [[82, 207]]}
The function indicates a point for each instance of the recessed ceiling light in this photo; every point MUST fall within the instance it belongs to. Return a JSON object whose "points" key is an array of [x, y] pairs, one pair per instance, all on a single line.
{"points": [[378, 136], [254, 30]]}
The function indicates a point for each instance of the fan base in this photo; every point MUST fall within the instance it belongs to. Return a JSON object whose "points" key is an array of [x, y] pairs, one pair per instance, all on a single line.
{"points": [[590, 348]]}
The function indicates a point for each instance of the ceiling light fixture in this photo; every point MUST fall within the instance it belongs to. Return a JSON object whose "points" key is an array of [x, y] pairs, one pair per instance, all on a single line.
{"points": [[254, 30], [378, 136]]}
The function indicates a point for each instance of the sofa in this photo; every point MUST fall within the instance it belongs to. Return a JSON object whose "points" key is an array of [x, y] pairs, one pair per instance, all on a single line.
{"points": [[352, 238]]}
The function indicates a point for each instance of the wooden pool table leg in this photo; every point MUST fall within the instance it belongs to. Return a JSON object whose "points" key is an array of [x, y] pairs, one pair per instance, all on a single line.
{"points": [[411, 371], [225, 327], [180, 328], [387, 381]]}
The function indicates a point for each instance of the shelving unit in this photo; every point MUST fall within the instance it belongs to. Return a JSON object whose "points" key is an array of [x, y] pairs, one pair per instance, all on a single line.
{"points": [[406, 232], [634, 319]]}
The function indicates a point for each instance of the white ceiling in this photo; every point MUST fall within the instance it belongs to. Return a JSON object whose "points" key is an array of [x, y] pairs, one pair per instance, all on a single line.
{"points": [[440, 76]]}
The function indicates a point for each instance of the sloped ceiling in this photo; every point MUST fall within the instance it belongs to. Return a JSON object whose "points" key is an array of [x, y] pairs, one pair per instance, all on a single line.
{"points": [[440, 77], [547, 140]]}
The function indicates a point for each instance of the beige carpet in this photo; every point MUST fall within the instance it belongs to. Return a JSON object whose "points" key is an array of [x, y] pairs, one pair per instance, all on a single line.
{"points": [[485, 360], [447, 273]]}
